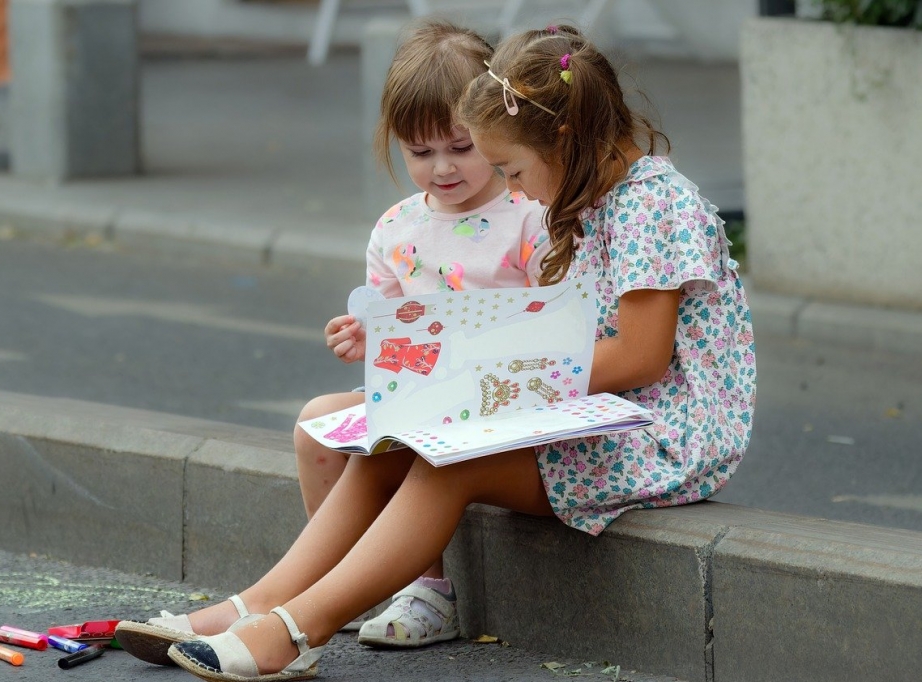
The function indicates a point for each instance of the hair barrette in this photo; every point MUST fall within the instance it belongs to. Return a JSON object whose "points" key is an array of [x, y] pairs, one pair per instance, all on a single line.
{"points": [[510, 93], [565, 74]]}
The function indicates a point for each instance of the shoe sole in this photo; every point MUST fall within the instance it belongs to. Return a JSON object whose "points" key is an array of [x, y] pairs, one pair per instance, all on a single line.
{"points": [[391, 643], [149, 643]]}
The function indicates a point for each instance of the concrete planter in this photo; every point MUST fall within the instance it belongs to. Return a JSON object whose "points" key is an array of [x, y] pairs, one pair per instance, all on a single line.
{"points": [[832, 137]]}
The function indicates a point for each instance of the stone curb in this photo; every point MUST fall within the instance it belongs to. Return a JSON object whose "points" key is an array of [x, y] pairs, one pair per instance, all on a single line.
{"points": [[39, 215], [710, 592]]}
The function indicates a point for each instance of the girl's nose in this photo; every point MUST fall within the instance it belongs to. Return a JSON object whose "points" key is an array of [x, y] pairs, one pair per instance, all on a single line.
{"points": [[444, 167]]}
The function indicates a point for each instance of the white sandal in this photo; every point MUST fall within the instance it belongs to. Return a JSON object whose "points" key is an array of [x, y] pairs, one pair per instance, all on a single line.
{"points": [[225, 656], [410, 627], [150, 641], [356, 625]]}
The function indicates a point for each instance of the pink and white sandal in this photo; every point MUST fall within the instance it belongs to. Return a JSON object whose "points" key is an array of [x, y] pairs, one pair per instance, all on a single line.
{"points": [[408, 624]]}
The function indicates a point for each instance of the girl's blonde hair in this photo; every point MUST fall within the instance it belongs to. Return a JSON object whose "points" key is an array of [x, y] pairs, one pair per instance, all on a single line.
{"points": [[591, 123], [434, 62]]}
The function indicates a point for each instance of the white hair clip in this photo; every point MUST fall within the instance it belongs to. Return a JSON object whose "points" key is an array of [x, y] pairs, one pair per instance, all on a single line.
{"points": [[510, 93]]}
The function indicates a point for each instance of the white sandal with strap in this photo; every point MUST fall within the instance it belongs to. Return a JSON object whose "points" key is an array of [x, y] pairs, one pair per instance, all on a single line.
{"points": [[150, 641], [404, 626], [225, 657]]}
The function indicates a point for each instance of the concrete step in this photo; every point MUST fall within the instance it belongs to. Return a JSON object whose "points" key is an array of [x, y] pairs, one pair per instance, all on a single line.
{"points": [[707, 592]]}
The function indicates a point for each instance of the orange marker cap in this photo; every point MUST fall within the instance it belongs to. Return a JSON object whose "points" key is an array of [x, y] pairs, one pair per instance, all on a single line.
{"points": [[11, 657]]}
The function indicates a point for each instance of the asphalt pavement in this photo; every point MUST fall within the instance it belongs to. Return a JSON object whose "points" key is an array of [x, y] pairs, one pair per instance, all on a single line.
{"points": [[37, 593]]}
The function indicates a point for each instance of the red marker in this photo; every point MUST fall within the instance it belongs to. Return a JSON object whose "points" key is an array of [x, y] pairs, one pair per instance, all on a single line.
{"points": [[31, 640]]}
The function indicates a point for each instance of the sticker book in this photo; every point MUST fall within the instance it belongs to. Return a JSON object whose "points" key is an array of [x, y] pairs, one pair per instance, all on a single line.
{"points": [[462, 374]]}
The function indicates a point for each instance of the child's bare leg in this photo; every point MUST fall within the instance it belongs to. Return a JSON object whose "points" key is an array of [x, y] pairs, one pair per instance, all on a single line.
{"points": [[353, 504], [319, 467], [410, 534]]}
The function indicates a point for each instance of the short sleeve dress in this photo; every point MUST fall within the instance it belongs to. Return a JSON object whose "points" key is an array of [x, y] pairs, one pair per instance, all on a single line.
{"points": [[655, 231]]}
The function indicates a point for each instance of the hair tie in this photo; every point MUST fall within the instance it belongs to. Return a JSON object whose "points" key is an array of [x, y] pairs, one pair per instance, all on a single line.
{"points": [[565, 74], [551, 29]]}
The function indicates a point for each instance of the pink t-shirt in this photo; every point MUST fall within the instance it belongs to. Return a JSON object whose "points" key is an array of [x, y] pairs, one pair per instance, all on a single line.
{"points": [[415, 250]]}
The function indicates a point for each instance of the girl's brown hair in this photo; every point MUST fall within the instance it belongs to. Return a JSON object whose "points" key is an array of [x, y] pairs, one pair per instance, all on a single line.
{"points": [[434, 62], [591, 124]]}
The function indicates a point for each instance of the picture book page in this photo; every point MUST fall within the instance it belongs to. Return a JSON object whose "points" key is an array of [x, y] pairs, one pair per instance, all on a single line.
{"points": [[459, 356]]}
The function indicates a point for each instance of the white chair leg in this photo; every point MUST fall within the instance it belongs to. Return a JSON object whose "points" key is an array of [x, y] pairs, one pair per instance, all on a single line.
{"points": [[323, 32]]}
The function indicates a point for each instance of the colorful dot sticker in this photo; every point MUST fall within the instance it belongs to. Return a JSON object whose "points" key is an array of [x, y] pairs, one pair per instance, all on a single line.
{"points": [[392, 386], [465, 414], [376, 397]]}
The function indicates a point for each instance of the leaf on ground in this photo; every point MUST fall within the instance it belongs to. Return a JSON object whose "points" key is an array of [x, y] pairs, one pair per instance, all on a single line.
{"points": [[893, 413], [486, 639], [552, 665], [198, 596], [614, 670]]}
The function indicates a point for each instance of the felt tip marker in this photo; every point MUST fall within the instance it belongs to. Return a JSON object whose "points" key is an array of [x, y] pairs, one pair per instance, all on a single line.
{"points": [[10, 656], [64, 644], [81, 657], [30, 640]]}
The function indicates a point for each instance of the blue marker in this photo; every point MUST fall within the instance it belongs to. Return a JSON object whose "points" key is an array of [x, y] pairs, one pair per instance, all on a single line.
{"points": [[64, 644]]}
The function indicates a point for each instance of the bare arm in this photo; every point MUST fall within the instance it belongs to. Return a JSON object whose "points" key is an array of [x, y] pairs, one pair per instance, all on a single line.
{"points": [[641, 352]]}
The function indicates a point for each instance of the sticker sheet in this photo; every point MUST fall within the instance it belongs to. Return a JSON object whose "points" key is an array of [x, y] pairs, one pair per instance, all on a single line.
{"points": [[460, 356]]}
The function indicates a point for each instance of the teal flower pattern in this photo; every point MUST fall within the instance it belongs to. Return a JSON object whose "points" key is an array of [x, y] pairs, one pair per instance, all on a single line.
{"points": [[655, 231]]}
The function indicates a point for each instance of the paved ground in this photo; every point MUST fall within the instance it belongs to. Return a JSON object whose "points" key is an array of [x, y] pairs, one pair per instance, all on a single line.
{"points": [[36, 593]]}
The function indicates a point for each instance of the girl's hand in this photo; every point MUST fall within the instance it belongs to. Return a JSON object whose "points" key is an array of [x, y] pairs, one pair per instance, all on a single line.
{"points": [[346, 338]]}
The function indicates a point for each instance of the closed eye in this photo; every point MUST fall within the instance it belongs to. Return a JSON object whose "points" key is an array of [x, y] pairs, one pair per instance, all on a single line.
{"points": [[463, 150]]}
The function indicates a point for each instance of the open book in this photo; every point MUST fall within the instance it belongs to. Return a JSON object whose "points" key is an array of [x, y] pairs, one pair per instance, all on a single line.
{"points": [[461, 374]]}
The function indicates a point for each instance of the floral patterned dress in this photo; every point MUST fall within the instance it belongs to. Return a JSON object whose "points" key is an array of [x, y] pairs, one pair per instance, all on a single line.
{"points": [[654, 231]]}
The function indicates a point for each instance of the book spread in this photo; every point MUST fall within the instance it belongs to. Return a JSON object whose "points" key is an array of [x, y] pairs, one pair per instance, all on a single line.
{"points": [[461, 374]]}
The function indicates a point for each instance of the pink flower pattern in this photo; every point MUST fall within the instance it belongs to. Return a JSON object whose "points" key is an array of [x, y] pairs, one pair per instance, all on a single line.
{"points": [[655, 231]]}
